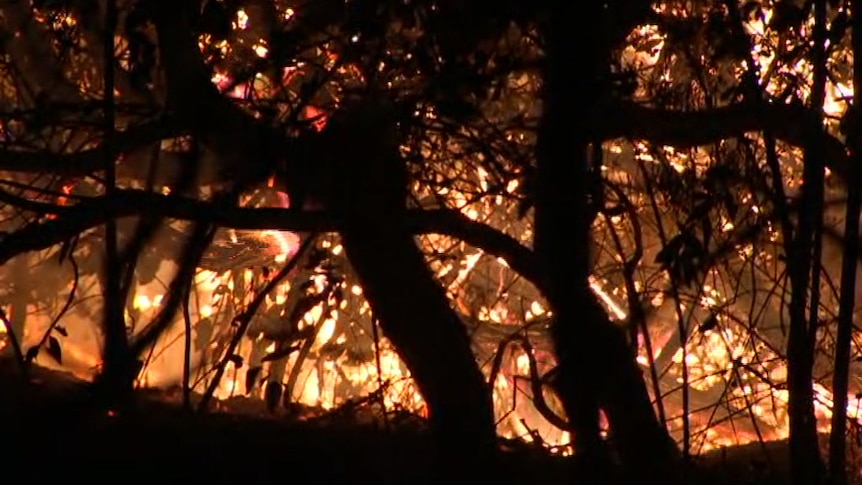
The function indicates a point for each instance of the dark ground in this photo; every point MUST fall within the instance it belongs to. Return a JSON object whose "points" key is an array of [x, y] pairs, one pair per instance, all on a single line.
{"points": [[47, 432]]}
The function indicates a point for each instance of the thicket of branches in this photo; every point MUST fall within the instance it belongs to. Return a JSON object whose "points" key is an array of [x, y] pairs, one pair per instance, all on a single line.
{"points": [[656, 204]]}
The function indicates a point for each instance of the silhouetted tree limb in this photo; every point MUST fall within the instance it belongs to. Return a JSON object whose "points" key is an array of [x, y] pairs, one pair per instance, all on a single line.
{"points": [[249, 151], [795, 125], [91, 213], [88, 161]]}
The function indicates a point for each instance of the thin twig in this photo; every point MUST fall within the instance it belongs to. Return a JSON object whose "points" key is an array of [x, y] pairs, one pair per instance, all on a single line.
{"points": [[244, 319]]}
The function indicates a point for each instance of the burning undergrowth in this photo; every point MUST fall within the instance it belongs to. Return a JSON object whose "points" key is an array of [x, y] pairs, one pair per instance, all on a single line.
{"points": [[309, 347]]}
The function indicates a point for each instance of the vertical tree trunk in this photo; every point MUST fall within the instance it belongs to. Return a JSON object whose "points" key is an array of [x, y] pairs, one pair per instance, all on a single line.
{"points": [[412, 307], [838, 438], [804, 450], [116, 359], [415, 315], [597, 366], [562, 232]]}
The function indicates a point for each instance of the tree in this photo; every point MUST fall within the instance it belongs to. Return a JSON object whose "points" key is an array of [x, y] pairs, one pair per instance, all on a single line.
{"points": [[667, 164]]}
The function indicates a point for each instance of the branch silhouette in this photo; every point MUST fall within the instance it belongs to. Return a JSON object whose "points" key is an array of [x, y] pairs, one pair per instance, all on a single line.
{"points": [[93, 212]]}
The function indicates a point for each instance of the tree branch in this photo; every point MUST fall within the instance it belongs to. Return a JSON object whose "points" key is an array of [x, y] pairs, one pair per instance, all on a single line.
{"points": [[87, 161], [795, 125], [93, 212]]}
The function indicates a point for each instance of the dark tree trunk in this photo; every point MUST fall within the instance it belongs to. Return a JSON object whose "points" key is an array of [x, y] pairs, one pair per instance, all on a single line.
{"points": [[414, 314], [597, 367], [804, 267], [844, 337], [641, 442], [413, 309]]}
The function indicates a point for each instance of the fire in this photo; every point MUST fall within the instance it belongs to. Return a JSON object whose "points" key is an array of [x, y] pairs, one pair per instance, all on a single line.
{"points": [[723, 360]]}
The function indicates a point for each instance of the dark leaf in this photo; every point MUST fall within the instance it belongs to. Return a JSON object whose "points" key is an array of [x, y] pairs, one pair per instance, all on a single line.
{"points": [[251, 376], [708, 324], [32, 352], [304, 306], [216, 20], [236, 359], [701, 210], [614, 210], [61, 330], [731, 206], [306, 285], [650, 44], [670, 252], [316, 257], [54, 350], [706, 229], [333, 350]]}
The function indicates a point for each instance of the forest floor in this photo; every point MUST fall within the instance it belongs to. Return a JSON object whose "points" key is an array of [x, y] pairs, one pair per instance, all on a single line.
{"points": [[46, 434]]}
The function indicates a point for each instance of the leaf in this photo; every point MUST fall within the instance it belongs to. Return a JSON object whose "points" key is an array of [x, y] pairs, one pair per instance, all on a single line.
{"points": [[316, 258], [333, 350], [304, 306], [683, 257], [236, 359], [216, 20], [671, 251], [730, 205], [706, 229], [61, 330], [251, 376], [32, 352], [54, 349], [709, 324]]}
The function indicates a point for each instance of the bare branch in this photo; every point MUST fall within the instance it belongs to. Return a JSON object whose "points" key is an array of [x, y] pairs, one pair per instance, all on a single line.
{"points": [[91, 213], [88, 161], [795, 125]]}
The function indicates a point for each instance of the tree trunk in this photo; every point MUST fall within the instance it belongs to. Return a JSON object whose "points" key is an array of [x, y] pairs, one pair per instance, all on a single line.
{"points": [[597, 367], [641, 442], [803, 261], [414, 314], [413, 309], [844, 337]]}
